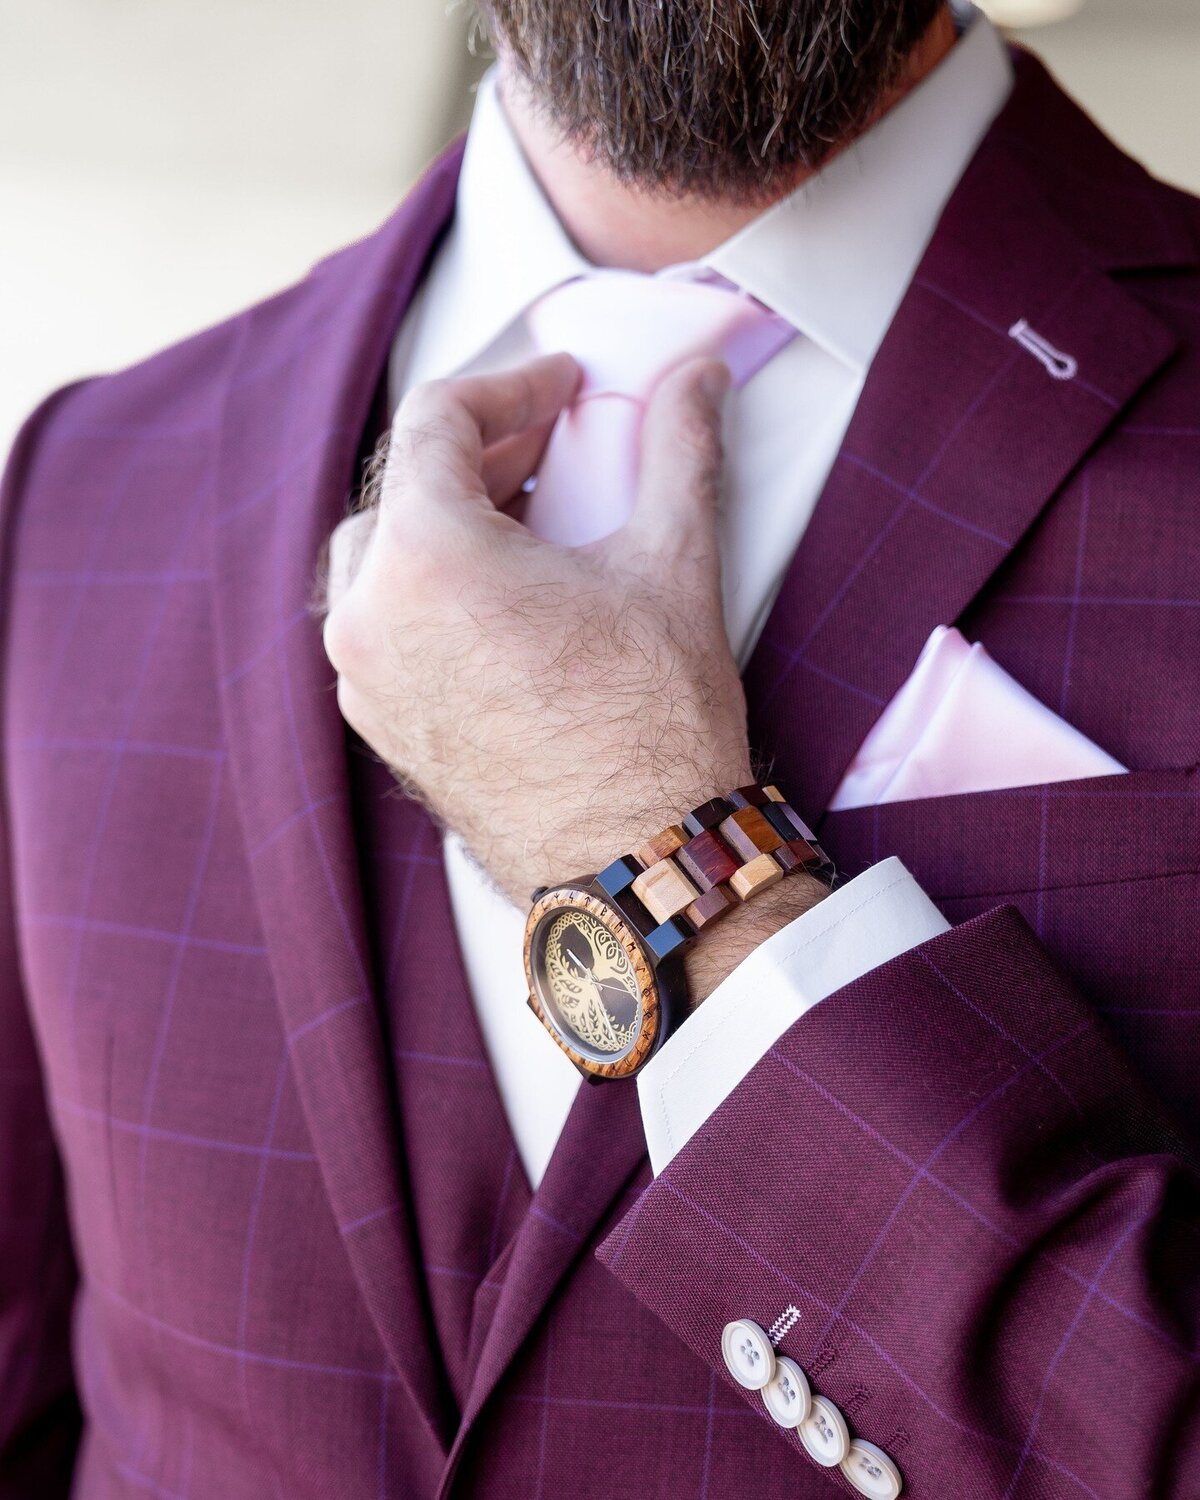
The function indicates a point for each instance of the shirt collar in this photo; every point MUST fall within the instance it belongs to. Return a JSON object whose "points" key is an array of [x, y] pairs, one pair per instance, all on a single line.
{"points": [[834, 257], [507, 246]]}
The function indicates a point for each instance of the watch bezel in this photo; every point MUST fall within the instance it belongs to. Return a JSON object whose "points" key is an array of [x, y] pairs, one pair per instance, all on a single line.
{"points": [[648, 976]]}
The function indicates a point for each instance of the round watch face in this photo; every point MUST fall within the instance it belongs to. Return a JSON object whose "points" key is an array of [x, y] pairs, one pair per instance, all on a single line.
{"points": [[590, 982]]}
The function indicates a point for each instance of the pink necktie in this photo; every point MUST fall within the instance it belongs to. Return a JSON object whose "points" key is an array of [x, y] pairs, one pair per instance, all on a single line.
{"points": [[627, 330]]}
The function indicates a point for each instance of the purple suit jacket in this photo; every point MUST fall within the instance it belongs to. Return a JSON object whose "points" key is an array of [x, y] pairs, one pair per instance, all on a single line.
{"points": [[260, 1213]]}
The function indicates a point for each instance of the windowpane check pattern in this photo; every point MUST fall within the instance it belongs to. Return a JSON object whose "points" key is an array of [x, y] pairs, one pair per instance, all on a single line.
{"points": [[260, 1213]]}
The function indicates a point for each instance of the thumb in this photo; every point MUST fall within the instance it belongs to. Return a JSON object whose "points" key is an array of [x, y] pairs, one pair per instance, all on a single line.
{"points": [[681, 461]]}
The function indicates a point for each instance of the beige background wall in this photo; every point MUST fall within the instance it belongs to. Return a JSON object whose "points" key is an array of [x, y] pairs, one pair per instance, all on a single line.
{"points": [[163, 162]]}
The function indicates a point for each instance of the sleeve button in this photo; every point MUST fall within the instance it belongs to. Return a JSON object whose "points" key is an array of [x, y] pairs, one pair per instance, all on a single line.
{"points": [[787, 1395], [871, 1471], [824, 1433], [749, 1357]]}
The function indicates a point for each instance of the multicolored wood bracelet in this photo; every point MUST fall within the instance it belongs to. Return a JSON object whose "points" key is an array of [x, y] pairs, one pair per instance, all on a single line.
{"points": [[724, 852]]}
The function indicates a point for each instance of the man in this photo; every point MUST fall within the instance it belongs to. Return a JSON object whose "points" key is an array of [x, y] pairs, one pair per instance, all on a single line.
{"points": [[923, 1207]]}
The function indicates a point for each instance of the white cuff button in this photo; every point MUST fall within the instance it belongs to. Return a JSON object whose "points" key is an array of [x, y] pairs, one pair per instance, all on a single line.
{"points": [[787, 1397], [749, 1357], [824, 1433], [871, 1471]]}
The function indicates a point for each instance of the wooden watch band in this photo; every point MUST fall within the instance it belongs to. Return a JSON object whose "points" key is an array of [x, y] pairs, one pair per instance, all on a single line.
{"points": [[723, 853]]}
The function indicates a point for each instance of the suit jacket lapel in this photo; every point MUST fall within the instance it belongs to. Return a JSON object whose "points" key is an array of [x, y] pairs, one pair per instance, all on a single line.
{"points": [[297, 403], [601, 1147], [960, 438]]}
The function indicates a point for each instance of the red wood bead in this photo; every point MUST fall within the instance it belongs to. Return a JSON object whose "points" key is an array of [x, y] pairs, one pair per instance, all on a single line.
{"points": [[707, 860], [798, 854]]}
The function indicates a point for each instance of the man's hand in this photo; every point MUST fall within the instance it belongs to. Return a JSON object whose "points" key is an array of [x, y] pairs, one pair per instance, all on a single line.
{"points": [[554, 706]]}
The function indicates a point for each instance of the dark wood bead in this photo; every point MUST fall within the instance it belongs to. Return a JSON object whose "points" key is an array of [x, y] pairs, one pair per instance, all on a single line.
{"points": [[710, 907], [786, 860], [706, 859], [775, 795], [748, 796], [776, 815], [634, 912], [618, 876], [795, 856], [706, 816], [749, 834], [669, 936]]}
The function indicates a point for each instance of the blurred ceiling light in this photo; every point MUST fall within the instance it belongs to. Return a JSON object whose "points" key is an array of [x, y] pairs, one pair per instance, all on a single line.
{"points": [[1020, 13]]}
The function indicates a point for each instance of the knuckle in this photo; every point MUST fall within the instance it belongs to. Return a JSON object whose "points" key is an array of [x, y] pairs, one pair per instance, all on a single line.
{"points": [[343, 639], [422, 428], [427, 410], [426, 400], [349, 703]]}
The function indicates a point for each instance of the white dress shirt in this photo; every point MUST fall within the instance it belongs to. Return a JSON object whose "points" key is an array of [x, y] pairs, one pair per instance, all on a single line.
{"points": [[834, 258]]}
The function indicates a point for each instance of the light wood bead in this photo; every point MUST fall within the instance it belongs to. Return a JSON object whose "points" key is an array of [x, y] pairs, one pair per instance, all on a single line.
{"points": [[664, 890], [662, 845], [757, 876]]}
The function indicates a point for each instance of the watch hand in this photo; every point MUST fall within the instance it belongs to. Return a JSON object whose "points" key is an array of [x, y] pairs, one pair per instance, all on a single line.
{"points": [[616, 987], [607, 968]]}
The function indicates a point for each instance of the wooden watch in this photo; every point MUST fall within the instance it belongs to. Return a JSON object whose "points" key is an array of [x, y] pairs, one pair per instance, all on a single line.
{"points": [[604, 953]]}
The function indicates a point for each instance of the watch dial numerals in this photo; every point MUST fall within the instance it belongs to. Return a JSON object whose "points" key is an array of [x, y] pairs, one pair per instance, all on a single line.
{"points": [[590, 982]]}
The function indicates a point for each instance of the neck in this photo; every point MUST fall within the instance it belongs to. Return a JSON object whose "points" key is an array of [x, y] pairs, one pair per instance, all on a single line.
{"points": [[616, 224]]}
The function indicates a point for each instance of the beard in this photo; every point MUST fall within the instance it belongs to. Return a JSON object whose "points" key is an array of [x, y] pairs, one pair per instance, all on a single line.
{"points": [[711, 99]]}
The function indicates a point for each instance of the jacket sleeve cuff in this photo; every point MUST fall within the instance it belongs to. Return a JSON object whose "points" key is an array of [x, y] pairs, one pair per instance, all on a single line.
{"points": [[873, 918]]}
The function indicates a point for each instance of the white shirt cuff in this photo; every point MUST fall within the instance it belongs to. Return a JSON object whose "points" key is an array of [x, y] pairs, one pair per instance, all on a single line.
{"points": [[880, 914]]}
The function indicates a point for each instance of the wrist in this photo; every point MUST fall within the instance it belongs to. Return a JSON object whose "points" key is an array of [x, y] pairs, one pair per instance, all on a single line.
{"points": [[616, 960], [707, 964], [589, 836]]}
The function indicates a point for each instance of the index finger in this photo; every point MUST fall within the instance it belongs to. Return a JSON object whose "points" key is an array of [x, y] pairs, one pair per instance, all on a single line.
{"points": [[474, 411], [513, 401]]}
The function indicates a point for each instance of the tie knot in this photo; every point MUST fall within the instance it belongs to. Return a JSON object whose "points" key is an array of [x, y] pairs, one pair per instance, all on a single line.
{"points": [[626, 329]]}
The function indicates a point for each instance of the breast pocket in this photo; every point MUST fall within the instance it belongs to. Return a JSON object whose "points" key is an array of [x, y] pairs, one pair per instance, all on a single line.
{"points": [[1104, 870], [976, 847]]}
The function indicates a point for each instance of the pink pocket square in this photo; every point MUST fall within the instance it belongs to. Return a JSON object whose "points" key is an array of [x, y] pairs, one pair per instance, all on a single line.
{"points": [[960, 723]]}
